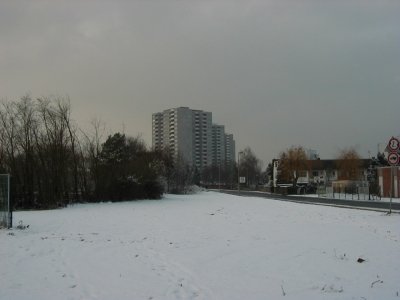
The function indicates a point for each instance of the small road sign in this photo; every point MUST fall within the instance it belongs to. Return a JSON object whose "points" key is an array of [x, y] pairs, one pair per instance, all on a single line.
{"points": [[393, 148], [393, 145], [393, 159]]}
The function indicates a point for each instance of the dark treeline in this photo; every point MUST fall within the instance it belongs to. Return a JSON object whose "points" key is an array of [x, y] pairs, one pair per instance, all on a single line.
{"points": [[53, 163]]}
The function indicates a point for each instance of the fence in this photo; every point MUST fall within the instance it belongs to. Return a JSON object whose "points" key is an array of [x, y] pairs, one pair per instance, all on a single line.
{"points": [[5, 204], [350, 191]]}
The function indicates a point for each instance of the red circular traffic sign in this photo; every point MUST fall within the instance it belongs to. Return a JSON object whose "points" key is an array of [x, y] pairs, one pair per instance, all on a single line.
{"points": [[394, 144], [393, 159]]}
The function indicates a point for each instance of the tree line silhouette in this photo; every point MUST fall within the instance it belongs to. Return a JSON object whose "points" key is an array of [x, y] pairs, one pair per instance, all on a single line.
{"points": [[54, 163]]}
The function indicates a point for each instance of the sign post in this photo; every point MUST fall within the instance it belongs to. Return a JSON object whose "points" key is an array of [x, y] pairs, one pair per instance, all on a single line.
{"points": [[393, 148]]}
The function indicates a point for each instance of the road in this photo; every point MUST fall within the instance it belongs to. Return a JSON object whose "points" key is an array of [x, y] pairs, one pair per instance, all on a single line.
{"points": [[360, 204]]}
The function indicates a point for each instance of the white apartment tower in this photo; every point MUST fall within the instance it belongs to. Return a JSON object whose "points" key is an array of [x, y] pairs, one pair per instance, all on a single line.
{"points": [[186, 133], [218, 144], [230, 149], [223, 146], [202, 127]]}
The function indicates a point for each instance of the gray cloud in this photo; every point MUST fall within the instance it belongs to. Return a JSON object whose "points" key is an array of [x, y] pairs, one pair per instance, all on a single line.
{"points": [[316, 73]]}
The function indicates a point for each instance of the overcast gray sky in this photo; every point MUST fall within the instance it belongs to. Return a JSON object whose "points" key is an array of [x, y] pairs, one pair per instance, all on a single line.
{"points": [[276, 73]]}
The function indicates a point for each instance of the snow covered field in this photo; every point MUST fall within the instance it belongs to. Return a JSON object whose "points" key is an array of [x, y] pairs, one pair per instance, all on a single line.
{"points": [[203, 246]]}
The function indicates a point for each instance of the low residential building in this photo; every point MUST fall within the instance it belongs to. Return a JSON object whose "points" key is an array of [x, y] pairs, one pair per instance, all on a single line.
{"points": [[386, 185], [325, 171]]}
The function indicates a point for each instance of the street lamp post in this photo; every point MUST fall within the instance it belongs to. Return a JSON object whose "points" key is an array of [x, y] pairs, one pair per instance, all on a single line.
{"points": [[219, 176], [239, 154]]}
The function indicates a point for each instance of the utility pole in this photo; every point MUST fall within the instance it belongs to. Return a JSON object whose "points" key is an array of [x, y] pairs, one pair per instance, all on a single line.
{"points": [[219, 175], [391, 188], [239, 153]]}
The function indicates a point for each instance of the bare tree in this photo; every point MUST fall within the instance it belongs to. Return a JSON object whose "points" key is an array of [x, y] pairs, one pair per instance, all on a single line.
{"points": [[27, 124], [250, 166], [349, 164], [217, 174], [91, 150], [54, 163], [292, 163], [54, 151], [166, 165], [182, 176], [8, 134]]}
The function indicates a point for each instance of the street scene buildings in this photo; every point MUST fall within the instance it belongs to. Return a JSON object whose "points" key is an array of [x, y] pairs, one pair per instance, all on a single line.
{"points": [[192, 136]]}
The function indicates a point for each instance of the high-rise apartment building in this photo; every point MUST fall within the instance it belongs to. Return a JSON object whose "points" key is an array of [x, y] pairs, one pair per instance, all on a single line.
{"points": [[202, 128], [190, 134], [218, 144], [185, 132], [223, 146], [230, 149]]}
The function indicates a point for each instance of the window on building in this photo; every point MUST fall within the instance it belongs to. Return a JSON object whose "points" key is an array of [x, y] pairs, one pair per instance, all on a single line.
{"points": [[302, 173]]}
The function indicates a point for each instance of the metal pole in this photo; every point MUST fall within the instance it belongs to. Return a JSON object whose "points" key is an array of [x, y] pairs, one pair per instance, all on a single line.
{"points": [[391, 188], [239, 172], [219, 176], [9, 221]]}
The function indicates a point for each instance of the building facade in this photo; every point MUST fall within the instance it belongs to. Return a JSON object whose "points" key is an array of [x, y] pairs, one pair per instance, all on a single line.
{"points": [[389, 185], [223, 146], [230, 149], [326, 171], [170, 131], [190, 134], [218, 144], [201, 141]]}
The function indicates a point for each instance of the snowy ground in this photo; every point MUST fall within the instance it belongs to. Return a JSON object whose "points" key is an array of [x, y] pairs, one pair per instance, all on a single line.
{"points": [[203, 246]]}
